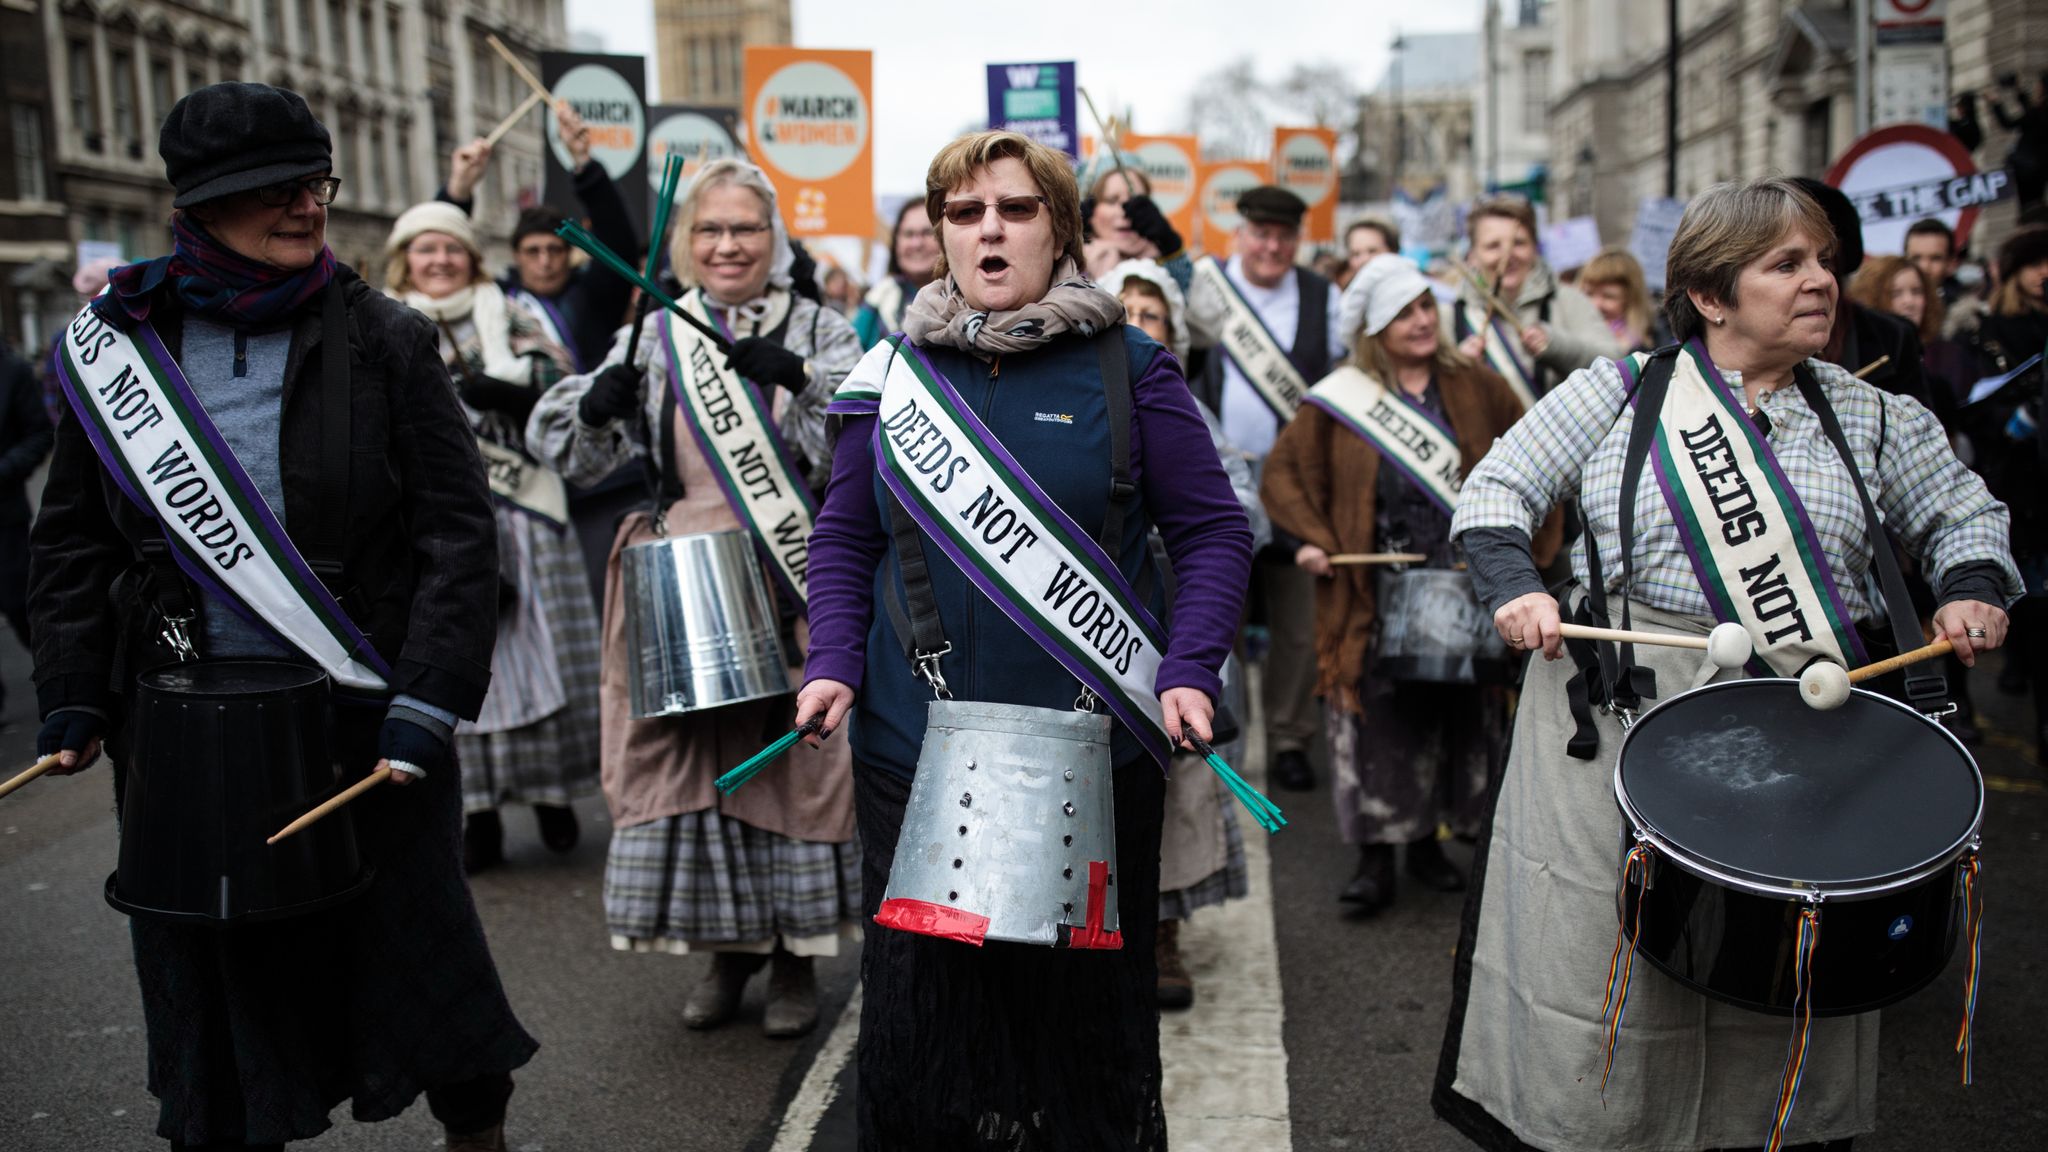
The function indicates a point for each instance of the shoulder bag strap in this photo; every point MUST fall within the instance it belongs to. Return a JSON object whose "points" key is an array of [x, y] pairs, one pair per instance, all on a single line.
{"points": [[1926, 688]]}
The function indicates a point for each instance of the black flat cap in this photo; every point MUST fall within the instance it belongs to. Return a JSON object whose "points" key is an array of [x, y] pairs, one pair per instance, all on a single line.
{"points": [[232, 137], [1271, 204]]}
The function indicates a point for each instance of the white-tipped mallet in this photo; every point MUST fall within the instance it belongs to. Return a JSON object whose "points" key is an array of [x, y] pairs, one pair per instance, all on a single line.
{"points": [[1727, 646], [1825, 684]]}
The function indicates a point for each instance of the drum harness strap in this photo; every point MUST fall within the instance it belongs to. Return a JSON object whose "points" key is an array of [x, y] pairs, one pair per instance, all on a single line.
{"points": [[322, 545], [1609, 677], [916, 620]]}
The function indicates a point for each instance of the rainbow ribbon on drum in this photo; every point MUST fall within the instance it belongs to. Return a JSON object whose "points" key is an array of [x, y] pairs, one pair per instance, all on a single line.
{"points": [[1622, 965], [1263, 810], [731, 781], [1973, 904], [1802, 1007]]}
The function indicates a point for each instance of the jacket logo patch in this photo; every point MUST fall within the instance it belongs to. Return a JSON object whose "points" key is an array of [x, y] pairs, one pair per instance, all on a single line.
{"points": [[1053, 417]]}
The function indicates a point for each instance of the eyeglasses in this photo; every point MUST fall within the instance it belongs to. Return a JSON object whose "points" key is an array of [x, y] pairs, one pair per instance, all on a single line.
{"points": [[323, 189], [716, 232], [1013, 210]]}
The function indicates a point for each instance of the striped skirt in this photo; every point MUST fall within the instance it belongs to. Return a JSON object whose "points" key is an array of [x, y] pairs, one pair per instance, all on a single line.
{"points": [[1233, 881], [706, 881]]}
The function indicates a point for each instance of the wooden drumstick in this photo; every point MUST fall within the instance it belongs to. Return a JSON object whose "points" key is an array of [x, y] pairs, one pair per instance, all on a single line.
{"points": [[1864, 372], [1378, 558], [1727, 646], [512, 121], [519, 66], [1941, 647], [35, 770], [1494, 306], [323, 811]]}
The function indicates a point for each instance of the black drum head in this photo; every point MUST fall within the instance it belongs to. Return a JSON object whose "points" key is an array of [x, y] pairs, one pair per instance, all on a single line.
{"points": [[1746, 779], [231, 677]]}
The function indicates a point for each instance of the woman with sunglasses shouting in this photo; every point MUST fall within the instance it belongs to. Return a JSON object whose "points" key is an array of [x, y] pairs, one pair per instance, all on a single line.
{"points": [[293, 490], [1017, 398], [765, 877]]}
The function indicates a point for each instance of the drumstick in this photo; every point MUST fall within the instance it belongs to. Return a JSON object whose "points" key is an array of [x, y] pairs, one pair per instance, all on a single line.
{"points": [[323, 811], [1493, 303], [35, 770], [731, 781], [512, 121], [1864, 372], [1941, 647], [518, 66], [576, 235], [1130, 189], [1378, 558]]}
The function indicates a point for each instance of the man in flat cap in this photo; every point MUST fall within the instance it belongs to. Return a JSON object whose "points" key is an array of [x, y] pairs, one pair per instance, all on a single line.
{"points": [[1275, 327]]}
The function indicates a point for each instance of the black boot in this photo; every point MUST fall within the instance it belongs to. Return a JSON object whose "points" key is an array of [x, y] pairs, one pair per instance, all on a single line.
{"points": [[1427, 865], [557, 826], [1372, 888], [1291, 771], [483, 842]]}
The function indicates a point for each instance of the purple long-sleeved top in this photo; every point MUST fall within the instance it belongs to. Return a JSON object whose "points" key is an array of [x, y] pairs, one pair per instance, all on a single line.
{"points": [[1185, 494]]}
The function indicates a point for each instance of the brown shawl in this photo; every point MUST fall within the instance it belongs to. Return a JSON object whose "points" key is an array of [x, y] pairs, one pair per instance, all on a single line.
{"points": [[1316, 458]]}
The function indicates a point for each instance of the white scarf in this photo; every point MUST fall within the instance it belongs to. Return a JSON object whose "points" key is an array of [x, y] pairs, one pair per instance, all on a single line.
{"points": [[483, 304]]}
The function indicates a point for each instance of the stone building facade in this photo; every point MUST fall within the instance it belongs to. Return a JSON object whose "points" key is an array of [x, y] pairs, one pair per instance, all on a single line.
{"points": [[700, 45]]}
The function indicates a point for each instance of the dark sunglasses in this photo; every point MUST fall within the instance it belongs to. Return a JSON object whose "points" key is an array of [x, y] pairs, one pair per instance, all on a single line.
{"points": [[323, 189], [1013, 210]]}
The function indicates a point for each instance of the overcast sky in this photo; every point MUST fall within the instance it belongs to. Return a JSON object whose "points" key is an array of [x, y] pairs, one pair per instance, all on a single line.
{"points": [[930, 55]]}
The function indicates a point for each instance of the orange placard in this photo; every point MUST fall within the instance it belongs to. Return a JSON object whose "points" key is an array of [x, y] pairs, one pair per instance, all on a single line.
{"points": [[810, 126], [1305, 163], [1222, 183], [1170, 163]]}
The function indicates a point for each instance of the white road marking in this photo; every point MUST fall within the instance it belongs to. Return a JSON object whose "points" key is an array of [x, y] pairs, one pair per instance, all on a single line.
{"points": [[1225, 1059], [821, 1083]]}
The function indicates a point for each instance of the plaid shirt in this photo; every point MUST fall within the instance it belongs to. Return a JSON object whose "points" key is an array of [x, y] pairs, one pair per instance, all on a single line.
{"points": [[1573, 442]]}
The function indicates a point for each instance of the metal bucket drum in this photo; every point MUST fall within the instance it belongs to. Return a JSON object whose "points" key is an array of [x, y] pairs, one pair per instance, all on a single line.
{"points": [[700, 625], [1433, 628], [1009, 833], [1755, 808], [226, 752]]}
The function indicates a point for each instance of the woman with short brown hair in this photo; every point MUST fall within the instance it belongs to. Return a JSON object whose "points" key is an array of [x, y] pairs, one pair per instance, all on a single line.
{"points": [[1546, 333]]}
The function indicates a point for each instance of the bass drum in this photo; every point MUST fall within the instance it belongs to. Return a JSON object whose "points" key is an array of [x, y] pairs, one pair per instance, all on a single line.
{"points": [[225, 753], [1755, 807]]}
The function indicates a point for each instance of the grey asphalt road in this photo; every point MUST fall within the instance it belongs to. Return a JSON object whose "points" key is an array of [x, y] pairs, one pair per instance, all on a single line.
{"points": [[1364, 1002]]}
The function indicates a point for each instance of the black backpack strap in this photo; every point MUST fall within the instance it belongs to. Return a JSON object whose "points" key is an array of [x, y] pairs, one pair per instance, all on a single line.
{"points": [[1926, 687], [916, 619], [323, 541], [1116, 393]]}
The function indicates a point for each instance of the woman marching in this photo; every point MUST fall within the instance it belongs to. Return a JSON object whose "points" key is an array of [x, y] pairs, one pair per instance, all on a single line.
{"points": [[913, 249], [1753, 299], [535, 742], [251, 338], [1543, 333], [1350, 474], [1090, 428], [769, 874]]}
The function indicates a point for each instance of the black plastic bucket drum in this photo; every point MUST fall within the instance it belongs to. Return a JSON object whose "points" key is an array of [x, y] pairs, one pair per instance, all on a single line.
{"points": [[223, 754], [1756, 809]]}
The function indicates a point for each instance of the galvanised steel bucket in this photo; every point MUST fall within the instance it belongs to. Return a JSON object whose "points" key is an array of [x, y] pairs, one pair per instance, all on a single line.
{"points": [[701, 626], [1009, 833]]}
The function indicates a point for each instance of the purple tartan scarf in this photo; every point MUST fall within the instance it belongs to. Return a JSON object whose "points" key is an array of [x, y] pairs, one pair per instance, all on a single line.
{"points": [[210, 279]]}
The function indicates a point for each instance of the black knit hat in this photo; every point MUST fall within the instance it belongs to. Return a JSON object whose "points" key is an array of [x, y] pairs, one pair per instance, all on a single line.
{"points": [[235, 136], [2025, 247], [1271, 204], [1842, 217]]}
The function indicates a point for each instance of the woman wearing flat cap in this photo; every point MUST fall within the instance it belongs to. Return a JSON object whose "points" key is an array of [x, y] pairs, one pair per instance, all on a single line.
{"points": [[257, 1031], [1350, 474]]}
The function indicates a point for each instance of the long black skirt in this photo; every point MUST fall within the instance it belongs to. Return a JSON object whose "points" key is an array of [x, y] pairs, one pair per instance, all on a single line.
{"points": [[1011, 1047], [257, 1032]]}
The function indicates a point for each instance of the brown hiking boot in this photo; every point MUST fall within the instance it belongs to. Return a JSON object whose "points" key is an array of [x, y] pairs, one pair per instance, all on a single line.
{"points": [[491, 1139], [1176, 987], [717, 998]]}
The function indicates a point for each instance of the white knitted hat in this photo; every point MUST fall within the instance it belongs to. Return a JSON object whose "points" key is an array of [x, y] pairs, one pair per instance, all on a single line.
{"points": [[433, 216], [1387, 284]]}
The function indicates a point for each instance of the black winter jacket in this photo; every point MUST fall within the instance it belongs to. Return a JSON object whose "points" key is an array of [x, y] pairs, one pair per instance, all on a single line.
{"points": [[25, 435], [419, 566]]}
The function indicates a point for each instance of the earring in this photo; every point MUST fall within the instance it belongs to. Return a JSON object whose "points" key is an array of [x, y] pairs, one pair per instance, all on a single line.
{"points": [[1720, 319]]}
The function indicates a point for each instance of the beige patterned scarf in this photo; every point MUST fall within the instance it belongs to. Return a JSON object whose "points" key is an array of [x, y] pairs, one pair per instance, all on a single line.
{"points": [[940, 315]]}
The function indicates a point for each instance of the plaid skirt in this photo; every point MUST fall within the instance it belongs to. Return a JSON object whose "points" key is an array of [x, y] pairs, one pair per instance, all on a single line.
{"points": [[1233, 881], [705, 881], [554, 759]]}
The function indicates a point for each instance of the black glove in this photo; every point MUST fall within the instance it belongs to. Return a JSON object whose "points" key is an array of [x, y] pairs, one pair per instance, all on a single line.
{"points": [[405, 741], [69, 730], [803, 272], [1148, 221], [764, 361], [612, 396], [514, 400]]}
